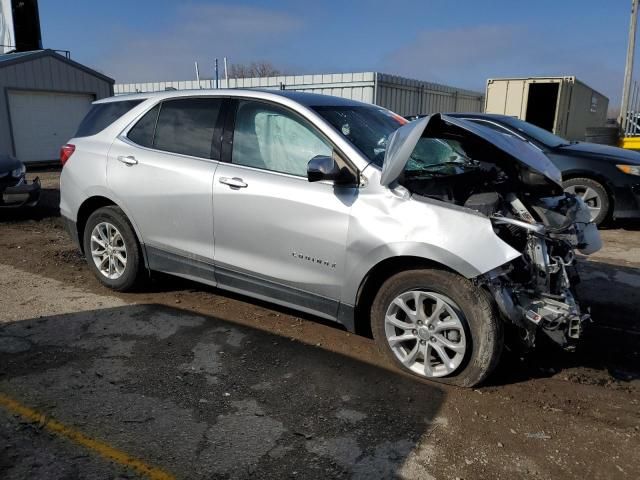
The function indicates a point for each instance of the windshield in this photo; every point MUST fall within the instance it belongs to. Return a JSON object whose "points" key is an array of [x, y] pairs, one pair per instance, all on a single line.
{"points": [[367, 128], [539, 134]]}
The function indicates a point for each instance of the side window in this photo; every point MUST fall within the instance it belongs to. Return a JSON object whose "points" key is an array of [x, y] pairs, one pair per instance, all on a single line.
{"points": [[102, 115], [186, 126], [271, 138], [142, 132]]}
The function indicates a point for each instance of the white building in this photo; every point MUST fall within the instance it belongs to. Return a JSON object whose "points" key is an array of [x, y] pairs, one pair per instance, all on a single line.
{"points": [[45, 96]]}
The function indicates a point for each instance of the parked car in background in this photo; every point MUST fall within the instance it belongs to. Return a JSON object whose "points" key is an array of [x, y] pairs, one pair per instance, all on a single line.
{"points": [[15, 191], [434, 235], [607, 178]]}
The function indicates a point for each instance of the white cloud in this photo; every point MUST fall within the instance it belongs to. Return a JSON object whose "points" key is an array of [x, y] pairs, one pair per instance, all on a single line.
{"points": [[197, 33]]}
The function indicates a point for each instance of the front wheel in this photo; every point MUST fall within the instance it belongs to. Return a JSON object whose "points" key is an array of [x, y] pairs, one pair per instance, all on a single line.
{"points": [[438, 326]]}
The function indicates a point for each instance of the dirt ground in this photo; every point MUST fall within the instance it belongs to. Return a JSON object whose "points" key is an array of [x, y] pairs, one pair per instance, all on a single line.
{"points": [[187, 381]]}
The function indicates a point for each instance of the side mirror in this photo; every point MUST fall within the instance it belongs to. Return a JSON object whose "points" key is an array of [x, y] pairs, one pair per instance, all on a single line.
{"points": [[324, 167]]}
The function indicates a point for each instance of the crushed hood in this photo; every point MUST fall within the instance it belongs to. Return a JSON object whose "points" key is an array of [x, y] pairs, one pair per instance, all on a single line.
{"points": [[403, 141]]}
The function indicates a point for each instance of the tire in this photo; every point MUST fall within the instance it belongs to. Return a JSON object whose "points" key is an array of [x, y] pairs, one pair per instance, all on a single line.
{"points": [[479, 327], [594, 194], [124, 278]]}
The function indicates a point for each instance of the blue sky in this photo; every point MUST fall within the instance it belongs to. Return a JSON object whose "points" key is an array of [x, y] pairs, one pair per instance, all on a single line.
{"points": [[460, 43]]}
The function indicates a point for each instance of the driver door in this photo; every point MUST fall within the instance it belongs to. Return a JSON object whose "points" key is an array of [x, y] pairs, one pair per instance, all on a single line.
{"points": [[277, 236]]}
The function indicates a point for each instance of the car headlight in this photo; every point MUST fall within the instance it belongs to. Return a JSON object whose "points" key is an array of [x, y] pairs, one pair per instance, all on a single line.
{"points": [[629, 169], [18, 172]]}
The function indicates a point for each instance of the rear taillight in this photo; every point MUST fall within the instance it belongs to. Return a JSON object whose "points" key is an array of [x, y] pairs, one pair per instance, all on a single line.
{"points": [[65, 153]]}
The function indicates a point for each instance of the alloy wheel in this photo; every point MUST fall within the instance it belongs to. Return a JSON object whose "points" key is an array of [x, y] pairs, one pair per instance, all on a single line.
{"points": [[425, 332], [108, 250]]}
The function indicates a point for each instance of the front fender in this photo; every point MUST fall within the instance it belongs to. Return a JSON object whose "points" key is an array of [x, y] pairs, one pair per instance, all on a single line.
{"points": [[388, 226]]}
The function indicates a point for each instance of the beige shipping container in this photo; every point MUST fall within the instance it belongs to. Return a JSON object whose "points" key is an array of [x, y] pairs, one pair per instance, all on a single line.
{"points": [[563, 105]]}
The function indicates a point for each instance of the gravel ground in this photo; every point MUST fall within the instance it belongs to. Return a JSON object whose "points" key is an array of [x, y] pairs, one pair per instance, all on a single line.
{"points": [[198, 383]]}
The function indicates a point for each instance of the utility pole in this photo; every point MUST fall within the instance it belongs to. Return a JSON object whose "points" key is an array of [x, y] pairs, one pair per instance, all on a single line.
{"points": [[198, 75], [216, 68], [628, 68]]}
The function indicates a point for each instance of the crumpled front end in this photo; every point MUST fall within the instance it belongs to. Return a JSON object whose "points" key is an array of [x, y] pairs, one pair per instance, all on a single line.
{"points": [[536, 292]]}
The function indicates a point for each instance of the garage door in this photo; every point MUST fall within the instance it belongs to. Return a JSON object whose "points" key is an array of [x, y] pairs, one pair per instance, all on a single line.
{"points": [[43, 121]]}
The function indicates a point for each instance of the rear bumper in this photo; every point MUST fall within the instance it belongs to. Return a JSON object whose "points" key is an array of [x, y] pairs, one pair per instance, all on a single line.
{"points": [[22, 194]]}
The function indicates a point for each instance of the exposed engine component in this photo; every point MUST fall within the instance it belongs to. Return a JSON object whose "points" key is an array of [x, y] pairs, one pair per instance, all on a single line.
{"points": [[536, 292], [520, 190]]}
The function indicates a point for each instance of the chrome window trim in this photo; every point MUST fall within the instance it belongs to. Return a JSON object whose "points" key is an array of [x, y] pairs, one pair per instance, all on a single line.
{"points": [[288, 175], [129, 142]]}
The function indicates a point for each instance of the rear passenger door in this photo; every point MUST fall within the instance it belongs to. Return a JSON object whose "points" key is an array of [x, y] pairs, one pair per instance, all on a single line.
{"points": [[161, 170]]}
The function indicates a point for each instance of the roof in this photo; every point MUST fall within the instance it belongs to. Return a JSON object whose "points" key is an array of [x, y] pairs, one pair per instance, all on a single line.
{"points": [[7, 57], [570, 78], [304, 98], [20, 57]]}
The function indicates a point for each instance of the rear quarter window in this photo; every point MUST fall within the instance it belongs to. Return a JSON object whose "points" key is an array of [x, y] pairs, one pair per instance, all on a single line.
{"points": [[142, 132], [102, 115]]}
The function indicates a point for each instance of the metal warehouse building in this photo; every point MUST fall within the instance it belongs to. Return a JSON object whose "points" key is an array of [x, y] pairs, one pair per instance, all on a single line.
{"points": [[43, 98], [402, 95]]}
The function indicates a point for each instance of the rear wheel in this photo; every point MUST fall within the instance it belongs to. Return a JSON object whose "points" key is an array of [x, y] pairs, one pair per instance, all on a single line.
{"points": [[593, 194], [111, 249], [438, 326]]}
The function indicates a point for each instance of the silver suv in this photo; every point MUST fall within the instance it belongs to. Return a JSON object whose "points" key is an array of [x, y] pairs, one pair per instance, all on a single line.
{"points": [[434, 236]]}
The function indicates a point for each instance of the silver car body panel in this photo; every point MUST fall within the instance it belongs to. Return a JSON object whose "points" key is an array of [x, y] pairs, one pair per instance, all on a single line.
{"points": [[403, 141], [282, 239], [388, 223]]}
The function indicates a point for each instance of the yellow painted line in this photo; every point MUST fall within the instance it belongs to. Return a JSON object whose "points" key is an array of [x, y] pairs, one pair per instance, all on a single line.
{"points": [[101, 448]]}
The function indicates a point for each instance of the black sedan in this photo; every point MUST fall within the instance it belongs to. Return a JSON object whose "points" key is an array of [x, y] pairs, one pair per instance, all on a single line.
{"points": [[607, 178], [15, 191]]}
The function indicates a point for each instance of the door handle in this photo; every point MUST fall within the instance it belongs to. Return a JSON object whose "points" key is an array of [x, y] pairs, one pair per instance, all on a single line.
{"points": [[128, 160], [234, 182]]}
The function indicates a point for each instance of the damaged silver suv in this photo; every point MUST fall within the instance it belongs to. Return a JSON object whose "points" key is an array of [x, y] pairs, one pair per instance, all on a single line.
{"points": [[435, 236]]}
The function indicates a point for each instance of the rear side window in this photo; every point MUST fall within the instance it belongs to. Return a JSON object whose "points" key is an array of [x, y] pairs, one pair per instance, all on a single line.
{"points": [[102, 115], [142, 132], [186, 126]]}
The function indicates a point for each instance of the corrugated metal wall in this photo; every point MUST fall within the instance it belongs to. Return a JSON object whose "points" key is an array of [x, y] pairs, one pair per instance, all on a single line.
{"points": [[48, 74], [402, 95], [415, 97]]}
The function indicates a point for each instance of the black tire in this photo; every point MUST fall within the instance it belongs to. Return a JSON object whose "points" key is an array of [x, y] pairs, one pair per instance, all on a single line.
{"points": [[579, 184], [133, 271], [476, 310]]}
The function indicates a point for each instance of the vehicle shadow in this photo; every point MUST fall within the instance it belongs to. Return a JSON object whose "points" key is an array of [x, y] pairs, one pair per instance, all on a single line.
{"points": [[610, 345], [201, 397]]}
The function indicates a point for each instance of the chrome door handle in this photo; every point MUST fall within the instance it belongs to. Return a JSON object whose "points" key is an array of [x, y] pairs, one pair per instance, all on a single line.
{"points": [[128, 160], [234, 182]]}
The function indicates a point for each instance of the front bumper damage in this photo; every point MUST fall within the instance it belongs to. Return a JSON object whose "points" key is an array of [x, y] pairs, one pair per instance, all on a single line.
{"points": [[558, 316], [538, 294], [20, 194]]}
